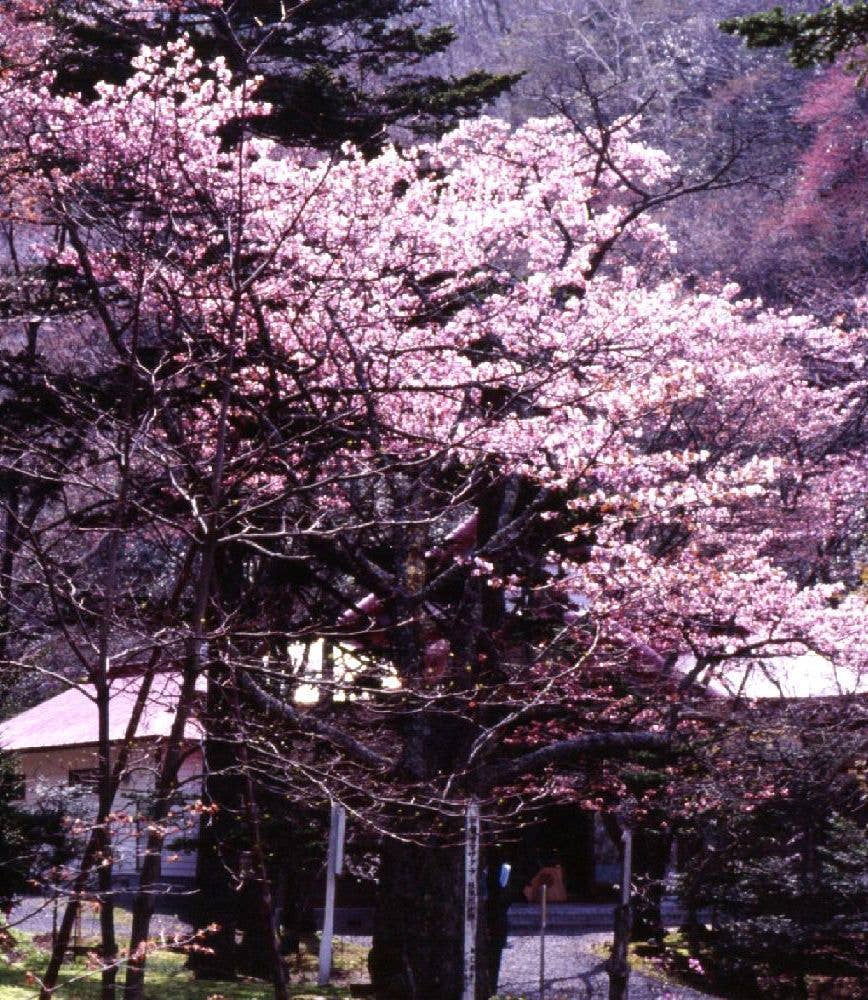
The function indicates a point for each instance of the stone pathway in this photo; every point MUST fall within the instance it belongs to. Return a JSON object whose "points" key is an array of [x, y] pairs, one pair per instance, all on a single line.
{"points": [[574, 971]]}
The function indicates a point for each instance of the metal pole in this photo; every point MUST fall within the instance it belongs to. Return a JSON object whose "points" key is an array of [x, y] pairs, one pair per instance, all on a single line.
{"points": [[542, 941], [334, 863], [471, 897]]}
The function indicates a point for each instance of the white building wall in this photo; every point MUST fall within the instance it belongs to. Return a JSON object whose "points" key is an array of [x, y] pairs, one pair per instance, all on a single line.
{"points": [[46, 776]]}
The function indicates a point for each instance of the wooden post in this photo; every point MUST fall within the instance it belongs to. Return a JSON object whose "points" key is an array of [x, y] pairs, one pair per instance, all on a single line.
{"points": [[619, 966], [471, 897], [334, 865], [542, 940], [76, 937]]}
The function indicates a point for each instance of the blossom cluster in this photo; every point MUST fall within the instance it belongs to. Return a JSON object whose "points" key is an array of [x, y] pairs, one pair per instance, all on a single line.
{"points": [[442, 308]]}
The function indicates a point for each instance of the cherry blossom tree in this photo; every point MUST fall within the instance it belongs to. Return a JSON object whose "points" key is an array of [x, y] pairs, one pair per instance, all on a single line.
{"points": [[440, 409]]}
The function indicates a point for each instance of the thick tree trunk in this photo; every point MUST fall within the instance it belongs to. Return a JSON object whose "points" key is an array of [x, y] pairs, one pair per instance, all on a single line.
{"points": [[418, 927], [107, 789], [619, 964], [216, 912], [108, 938]]}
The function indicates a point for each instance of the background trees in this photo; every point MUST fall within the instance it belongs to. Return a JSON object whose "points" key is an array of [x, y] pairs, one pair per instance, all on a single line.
{"points": [[707, 101], [33, 843], [823, 267], [777, 825], [13, 866]]}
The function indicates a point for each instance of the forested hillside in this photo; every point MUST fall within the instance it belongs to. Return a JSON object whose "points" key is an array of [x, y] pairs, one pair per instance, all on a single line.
{"points": [[792, 227]]}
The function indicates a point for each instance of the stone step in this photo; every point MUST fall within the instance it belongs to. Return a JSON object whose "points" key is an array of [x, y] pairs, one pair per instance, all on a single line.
{"points": [[584, 916], [523, 917], [580, 916]]}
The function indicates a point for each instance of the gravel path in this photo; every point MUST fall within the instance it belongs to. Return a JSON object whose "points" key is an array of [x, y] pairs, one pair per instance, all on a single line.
{"points": [[574, 971], [37, 915]]}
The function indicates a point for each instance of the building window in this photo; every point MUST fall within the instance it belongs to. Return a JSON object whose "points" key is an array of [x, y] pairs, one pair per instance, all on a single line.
{"points": [[84, 777]]}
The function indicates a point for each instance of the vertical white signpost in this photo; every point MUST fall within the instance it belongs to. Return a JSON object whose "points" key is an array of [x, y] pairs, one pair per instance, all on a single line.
{"points": [[619, 966], [471, 898], [334, 866]]}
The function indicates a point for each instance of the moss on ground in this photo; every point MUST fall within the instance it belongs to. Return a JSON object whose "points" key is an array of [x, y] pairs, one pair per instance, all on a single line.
{"points": [[647, 960], [21, 961]]}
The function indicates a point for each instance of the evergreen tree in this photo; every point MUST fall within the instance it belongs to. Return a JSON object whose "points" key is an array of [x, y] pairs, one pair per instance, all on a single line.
{"points": [[813, 37], [32, 838], [332, 70], [13, 871]]}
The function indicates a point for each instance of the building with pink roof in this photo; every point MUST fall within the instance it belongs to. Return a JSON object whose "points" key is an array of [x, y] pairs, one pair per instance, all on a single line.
{"points": [[55, 745]]}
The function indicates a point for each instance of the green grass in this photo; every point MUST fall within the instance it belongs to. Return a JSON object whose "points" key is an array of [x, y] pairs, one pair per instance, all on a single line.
{"points": [[166, 977]]}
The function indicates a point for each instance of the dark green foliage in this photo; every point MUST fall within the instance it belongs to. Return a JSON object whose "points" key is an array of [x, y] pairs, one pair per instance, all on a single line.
{"points": [[788, 895], [776, 857], [333, 70], [13, 843], [31, 840], [813, 38], [14, 848]]}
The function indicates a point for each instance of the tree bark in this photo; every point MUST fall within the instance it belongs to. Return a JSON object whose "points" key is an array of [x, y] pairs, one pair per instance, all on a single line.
{"points": [[106, 784], [417, 952], [219, 904], [7, 565], [269, 942]]}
